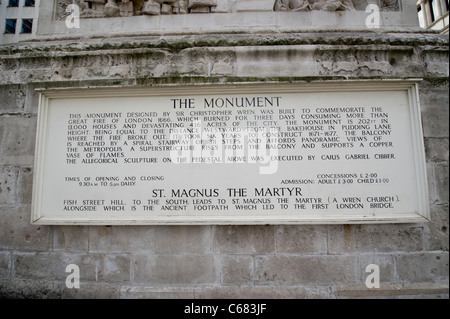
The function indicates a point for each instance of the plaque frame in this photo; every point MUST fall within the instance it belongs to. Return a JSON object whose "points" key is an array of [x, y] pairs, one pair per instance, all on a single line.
{"points": [[409, 86]]}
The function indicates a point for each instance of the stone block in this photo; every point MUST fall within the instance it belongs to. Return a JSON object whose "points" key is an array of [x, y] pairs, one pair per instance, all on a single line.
{"points": [[434, 101], [13, 98], [435, 122], [115, 268], [166, 8], [182, 240], [422, 267], [374, 238], [126, 9], [237, 269], [5, 264], [436, 62], [222, 68], [303, 292], [71, 238], [280, 292], [17, 136], [172, 270], [89, 290], [295, 270], [112, 10], [144, 292], [203, 9], [253, 5], [436, 149], [151, 8], [223, 6], [25, 186], [442, 176], [436, 231], [30, 289], [301, 239], [8, 185], [265, 61], [219, 292], [52, 266], [31, 100], [385, 262], [431, 181], [393, 291], [201, 3], [244, 239], [165, 1], [16, 231], [121, 239]]}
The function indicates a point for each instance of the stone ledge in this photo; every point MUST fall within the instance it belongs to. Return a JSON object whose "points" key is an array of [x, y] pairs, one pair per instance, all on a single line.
{"points": [[425, 288], [175, 43]]}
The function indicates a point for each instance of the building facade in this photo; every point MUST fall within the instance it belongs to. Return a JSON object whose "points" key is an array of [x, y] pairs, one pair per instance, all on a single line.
{"points": [[153, 44], [19, 20], [433, 14]]}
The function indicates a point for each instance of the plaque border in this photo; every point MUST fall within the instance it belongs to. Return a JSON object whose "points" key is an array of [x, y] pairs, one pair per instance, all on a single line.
{"points": [[410, 86]]}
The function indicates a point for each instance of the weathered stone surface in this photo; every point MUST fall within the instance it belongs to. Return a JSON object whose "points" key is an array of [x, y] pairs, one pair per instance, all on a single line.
{"points": [[442, 176], [52, 266], [166, 9], [307, 5], [17, 135], [174, 269], [144, 292], [115, 268], [374, 238], [385, 262], [415, 290], [431, 181], [121, 239], [199, 9], [201, 3], [421, 267], [437, 63], [219, 292], [301, 239], [222, 68], [280, 292], [13, 98], [182, 240], [126, 9], [8, 185], [436, 231], [112, 10], [293, 270], [237, 269], [434, 114], [25, 186], [223, 6], [244, 239], [16, 231], [151, 8], [436, 149], [71, 238], [5, 264], [299, 60], [30, 289], [89, 290]]}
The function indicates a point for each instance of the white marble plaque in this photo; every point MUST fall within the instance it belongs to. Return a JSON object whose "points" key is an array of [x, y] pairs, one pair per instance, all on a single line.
{"points": [[333, 152]]}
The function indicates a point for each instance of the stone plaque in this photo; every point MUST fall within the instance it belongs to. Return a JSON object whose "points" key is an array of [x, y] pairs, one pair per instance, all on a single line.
{"points": [[328, 152]]}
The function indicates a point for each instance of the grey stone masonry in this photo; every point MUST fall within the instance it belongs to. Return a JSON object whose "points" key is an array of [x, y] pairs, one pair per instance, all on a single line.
{"points": [[278, 261]]}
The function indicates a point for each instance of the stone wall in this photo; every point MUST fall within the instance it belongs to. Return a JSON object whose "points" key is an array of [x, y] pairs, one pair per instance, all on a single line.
{"points": [[322, 261]]}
